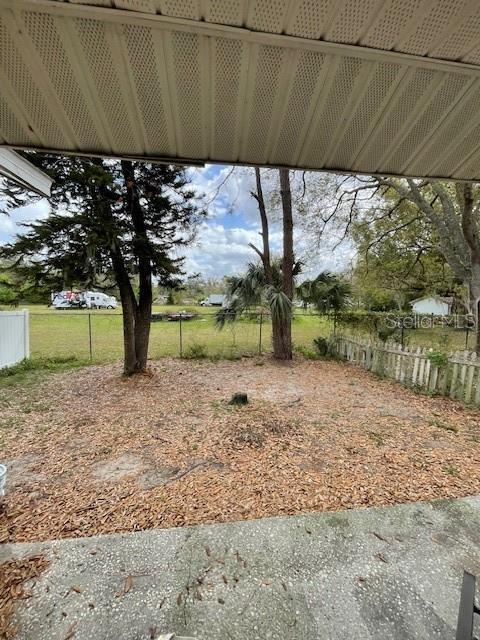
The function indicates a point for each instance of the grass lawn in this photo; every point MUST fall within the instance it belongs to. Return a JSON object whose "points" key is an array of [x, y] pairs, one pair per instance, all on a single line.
{"points": [[66, 333], [91, 452]]}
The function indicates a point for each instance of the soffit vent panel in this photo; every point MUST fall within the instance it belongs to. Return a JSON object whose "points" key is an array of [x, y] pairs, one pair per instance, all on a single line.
{"points": [[368, 86]]}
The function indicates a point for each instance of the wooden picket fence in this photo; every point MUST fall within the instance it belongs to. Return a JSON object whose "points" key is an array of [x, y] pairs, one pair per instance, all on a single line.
{"points": [[458, 377]]}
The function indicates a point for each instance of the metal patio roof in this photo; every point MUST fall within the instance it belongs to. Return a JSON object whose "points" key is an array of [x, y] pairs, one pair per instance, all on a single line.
{"points": [[367, 86]]}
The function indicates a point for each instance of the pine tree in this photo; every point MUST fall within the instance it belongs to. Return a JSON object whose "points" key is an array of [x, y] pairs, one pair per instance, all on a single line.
{"points": [[120, 220]]}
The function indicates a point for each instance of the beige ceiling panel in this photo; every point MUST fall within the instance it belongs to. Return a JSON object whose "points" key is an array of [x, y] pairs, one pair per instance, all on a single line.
{"points": [[307, 84], [232, 12], [311, 19], [457, 43], [11, 128], [333, 111], [42, 32], [262, 117], [20, 89], [394, 19], [353, 137], [229, 69], [268, 15], [437, 24], [151, 93], [400, 113], [189, 9], [453, 128], [189, 88], [419, 131], [462, 157]]}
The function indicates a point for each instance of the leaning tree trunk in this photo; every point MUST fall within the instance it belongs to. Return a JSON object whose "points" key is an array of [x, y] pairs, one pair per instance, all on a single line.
{"points": [[142, 328], [122, 278], [129, 307], [128, 318]]}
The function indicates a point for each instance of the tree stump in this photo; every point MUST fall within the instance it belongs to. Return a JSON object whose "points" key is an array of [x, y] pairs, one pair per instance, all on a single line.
{"points": [[239, 399]]}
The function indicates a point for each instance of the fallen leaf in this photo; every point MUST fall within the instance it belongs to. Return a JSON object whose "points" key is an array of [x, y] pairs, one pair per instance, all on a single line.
{"points": [[127, 585]]}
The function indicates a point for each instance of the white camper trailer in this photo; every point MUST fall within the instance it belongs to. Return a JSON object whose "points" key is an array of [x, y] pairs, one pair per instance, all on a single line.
{"points": [[99, 300], [83, 300]]}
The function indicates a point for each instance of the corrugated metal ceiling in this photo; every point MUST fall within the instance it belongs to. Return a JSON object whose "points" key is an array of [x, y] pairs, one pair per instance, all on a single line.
{"points": [[371, 86]]}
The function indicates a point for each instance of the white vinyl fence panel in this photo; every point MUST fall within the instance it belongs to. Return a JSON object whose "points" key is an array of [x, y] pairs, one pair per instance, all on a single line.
{"points": [[14, 337]]}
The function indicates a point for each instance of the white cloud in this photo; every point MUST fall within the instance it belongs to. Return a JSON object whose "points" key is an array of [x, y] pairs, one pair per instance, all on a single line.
{"points": [[222, 243], [232, 190], [10, 224], [220, 251]]}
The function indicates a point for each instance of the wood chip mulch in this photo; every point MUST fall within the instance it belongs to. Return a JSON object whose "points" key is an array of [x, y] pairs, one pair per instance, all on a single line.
{"points": [[15, 578], [90, 452]]}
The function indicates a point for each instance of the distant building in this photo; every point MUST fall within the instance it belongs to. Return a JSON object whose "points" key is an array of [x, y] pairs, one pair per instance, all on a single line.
{"points": [[215, 300], [433, 305]]}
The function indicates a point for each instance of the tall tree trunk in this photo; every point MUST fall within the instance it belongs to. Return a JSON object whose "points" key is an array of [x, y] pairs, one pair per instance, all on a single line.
{"points": [[281, 325], [129, 305], [143, 311], [122, 278], [282, 336], [265, 253], [470, 232], [283, 343], [474, 288]]}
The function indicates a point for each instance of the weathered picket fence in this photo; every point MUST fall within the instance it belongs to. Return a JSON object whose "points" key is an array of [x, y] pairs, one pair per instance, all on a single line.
{"points": [[457, 376]]}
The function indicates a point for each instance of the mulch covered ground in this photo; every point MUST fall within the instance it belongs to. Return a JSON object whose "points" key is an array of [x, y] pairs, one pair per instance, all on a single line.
{"points": [[90, 452], [15, 576]]}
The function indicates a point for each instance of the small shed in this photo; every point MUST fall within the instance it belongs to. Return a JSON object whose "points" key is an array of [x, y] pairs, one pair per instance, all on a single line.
{"points": [[433, 305]]}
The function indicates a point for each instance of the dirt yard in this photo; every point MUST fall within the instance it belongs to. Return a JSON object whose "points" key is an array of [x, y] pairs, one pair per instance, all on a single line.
{"points": [[90, 452]]}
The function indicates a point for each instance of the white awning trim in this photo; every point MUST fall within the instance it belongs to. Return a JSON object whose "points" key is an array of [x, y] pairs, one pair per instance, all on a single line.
{"points": [[251, 83], [24, 173]]}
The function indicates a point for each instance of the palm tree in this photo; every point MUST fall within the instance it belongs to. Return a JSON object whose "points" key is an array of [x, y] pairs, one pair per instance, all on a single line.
{"points": [[253, 290], [327, 292]]}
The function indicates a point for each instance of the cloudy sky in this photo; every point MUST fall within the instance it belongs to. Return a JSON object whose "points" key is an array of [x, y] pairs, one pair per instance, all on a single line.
{"points": [[221, 247]]}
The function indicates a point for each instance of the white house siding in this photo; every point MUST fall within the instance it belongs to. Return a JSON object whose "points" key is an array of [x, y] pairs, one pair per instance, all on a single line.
{"points": [[14, 337], [431, 306]]}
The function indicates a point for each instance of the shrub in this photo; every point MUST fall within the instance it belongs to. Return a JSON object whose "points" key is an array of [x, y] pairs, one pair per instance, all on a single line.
{"points": [[384, 332], [195, 351], [306, 352], [321, 345], [438, 358]]}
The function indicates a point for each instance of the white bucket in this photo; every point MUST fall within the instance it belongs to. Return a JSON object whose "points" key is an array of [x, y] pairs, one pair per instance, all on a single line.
{"points": [[3, 477]]}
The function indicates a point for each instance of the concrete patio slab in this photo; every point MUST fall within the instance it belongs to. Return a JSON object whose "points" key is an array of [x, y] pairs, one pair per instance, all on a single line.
{"points": [[391, 573]]}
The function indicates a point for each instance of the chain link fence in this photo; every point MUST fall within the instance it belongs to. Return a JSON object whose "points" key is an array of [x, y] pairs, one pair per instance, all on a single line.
{"points": [[98, 336]]}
